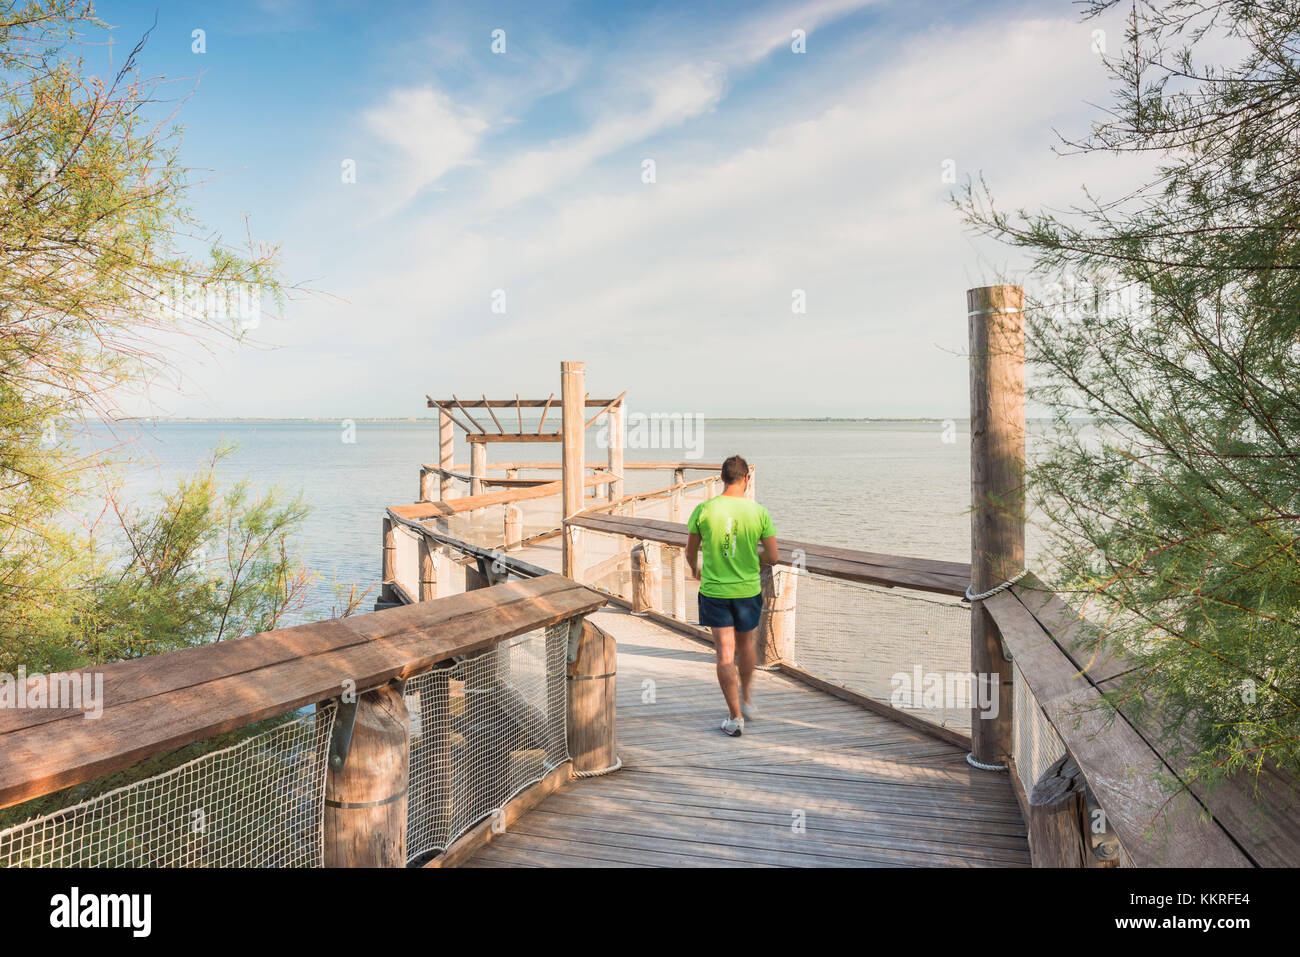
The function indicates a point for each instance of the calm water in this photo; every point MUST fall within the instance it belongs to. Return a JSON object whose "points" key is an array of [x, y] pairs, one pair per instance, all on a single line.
{"points": [[884, 486]]}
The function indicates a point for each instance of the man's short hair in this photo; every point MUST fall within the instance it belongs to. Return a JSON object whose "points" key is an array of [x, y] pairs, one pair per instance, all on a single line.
{"points": [[734, 469]]}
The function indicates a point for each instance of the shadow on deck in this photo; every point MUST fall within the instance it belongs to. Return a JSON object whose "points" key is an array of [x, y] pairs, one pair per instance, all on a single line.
{"points": [[815, 781]]}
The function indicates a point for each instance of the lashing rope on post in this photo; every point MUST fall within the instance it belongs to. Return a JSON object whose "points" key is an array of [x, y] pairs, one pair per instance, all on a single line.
{"points": [[996, 589], [970, 759], [618, 763]]}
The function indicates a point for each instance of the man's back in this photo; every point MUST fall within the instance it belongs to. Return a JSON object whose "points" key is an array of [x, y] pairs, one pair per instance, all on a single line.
{"points": [[730, 528]]}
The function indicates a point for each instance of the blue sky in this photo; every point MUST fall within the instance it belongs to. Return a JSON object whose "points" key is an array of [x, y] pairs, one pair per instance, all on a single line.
{"points": [[522, 172]]}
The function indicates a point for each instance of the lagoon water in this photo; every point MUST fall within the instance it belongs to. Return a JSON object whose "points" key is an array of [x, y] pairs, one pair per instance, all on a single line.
{"points": [[897, 487]]}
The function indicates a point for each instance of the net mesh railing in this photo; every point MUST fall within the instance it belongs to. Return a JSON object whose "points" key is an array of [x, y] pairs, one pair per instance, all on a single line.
{"points": [[481, 731], [257, 803], [905, 649], [1035, 745]]}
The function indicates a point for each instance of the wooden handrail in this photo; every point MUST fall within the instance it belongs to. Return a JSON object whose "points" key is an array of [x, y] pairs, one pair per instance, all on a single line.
{"points": [[1061, 657], [455, 506], [922, 574], [156, 704], [516, 566], [602, 508]]}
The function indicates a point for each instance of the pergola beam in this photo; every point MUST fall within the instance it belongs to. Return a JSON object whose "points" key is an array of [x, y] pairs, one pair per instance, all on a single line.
{"points": [[460, 405], [447, 412], [494, 417], [612, 403], [511, 403]]}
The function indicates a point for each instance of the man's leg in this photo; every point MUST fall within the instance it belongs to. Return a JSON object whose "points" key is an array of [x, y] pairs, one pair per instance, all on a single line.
{"points": [[746, 661], [724, 645]]}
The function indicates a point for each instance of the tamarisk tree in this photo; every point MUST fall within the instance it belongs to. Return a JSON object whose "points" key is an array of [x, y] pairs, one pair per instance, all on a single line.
{"points": [[101, 264], [1164, 330]]}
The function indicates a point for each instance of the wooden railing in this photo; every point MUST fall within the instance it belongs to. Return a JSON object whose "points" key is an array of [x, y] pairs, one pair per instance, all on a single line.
{"points": [[164, 702], [636, 572], [1116, 760]]}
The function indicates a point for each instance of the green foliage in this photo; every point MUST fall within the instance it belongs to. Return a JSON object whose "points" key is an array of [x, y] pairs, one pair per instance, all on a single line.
{"points": [[1172, 316], [100, 265]]}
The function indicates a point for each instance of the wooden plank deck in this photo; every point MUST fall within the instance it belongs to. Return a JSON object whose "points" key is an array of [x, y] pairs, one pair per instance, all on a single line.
{"points": [[868, 791]]}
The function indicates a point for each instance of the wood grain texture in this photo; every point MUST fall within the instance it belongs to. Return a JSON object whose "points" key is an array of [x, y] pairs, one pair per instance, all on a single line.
{"points": [[1159, 824], [863, 790], [945, 578], [153, 705]]}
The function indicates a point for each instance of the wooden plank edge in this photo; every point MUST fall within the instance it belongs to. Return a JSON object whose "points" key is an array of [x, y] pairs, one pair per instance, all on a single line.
{"points": [[482, 833]]}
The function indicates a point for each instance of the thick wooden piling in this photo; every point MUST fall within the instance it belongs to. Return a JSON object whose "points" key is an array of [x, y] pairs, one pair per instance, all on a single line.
{"points": [[615, 426], [477, 467], [997, 468], [389, 568], [514, 526], [592, 683], [776, 630], [647, 578], [428, 572], [573, 396], [446, 454], [365, 798]]}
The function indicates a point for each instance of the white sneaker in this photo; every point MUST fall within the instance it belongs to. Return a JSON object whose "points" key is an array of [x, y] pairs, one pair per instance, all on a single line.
{"points": [[748, 709], [733, 726]]}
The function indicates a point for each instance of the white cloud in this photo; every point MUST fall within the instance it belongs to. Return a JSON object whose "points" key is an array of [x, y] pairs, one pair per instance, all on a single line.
{"points": [[425, 136], [838, 193]]}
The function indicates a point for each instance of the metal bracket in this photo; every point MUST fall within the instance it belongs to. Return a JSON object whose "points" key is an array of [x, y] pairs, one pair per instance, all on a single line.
{"points": [[490, 574], [345, 719]]}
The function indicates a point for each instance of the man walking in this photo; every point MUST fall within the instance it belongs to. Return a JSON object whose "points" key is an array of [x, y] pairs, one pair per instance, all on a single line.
{"points": [[731, 529]]}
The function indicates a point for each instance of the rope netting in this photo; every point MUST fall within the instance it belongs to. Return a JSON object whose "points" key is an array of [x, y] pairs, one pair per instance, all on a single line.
{"points": [[906, 649], [257, 803], [482, 731], [1035, 745]]}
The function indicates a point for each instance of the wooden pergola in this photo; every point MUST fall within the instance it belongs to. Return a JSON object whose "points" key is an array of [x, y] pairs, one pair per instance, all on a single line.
{"points": [[574, 402]]}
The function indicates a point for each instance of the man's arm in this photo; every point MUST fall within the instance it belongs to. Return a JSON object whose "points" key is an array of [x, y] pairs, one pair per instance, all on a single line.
{"points": [[693, 553], [770, 554]]}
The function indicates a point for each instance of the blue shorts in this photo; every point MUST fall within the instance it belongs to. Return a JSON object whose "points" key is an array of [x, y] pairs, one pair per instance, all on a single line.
{"points": [[739, 613]]}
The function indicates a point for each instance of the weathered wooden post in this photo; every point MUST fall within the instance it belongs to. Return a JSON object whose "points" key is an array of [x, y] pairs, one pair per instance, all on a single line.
{"points": [[997, 470], [514, 526], [365, 787], [446, 454], [647, 578], [679, 476], [426, 485], [615, 426], [389, 572], [592, 674], [573, 394], [679, 584], [775, 640], [477, 466], [428, 572]]}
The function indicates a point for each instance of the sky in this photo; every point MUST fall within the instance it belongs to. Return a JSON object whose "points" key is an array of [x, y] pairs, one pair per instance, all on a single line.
{"points": [[503, 216]]}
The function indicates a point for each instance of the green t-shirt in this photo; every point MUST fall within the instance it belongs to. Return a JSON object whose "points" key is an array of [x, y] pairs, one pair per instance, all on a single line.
{"points": [[730, 528]]}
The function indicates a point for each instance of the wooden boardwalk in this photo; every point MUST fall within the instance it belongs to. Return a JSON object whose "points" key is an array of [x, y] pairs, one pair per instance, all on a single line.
{"points": [[816, 781]]}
